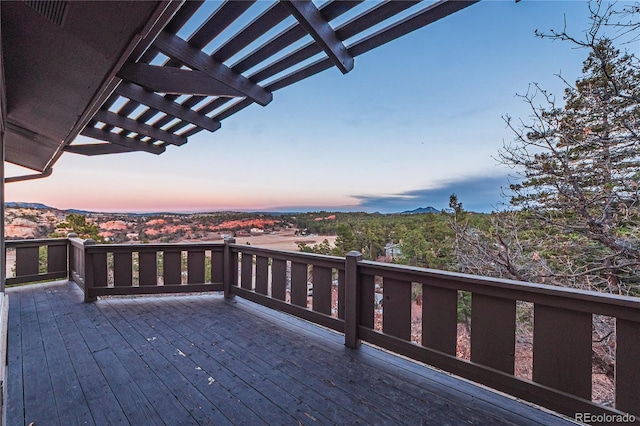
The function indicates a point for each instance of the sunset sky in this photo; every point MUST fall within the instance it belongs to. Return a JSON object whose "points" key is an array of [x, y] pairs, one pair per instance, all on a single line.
{"points": [[416, 120]]}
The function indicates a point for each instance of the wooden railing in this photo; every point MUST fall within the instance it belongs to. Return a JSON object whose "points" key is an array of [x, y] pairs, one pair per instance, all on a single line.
{"points": [[125, 269], [36, 260], [372, 302], [562, 333], [562, 329], [285, 281]]}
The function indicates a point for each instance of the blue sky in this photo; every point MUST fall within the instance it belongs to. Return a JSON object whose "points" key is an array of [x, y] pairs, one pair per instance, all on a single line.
{"points": [[416, 120]]}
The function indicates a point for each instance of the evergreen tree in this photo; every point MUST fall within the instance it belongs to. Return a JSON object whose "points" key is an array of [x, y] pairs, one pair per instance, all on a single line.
{"points": [[580, 166]]}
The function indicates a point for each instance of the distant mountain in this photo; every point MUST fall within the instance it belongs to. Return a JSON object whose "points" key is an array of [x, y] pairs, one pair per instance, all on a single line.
{"points": [[421, 210], [76, 211], [21, 205]]}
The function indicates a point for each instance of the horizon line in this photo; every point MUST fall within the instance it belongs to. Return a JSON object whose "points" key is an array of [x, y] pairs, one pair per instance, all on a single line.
{"points": [[282, 209]]}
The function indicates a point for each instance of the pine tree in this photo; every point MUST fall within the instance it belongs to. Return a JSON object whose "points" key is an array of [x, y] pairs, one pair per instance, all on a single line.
{"points": [[580, 167]]}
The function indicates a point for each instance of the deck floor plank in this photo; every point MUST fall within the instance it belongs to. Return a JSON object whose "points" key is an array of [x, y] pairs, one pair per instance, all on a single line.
{"points": [[444, 385], [200, 360], [104, 406], [162, 358], [71, 403], [39, 400], [444, 389], [168, 407], [377, 396], [351, 407], [225, 390], [15, 403], [197, 405], [282, 390]]}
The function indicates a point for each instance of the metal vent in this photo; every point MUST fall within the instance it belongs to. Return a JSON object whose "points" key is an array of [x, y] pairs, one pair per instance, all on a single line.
{"points": [[54, 10]]}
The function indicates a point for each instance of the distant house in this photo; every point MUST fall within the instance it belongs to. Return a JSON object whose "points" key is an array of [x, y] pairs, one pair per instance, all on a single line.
{"points": [[392, 251]]}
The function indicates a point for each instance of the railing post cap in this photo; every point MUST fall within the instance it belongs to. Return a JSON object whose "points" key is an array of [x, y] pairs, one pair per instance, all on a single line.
{"points": [[89, 242], [72, 235], [354, 253]]}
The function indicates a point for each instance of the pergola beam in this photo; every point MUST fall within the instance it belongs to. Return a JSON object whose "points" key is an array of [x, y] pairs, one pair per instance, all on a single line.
{"points": [[312, 21], [140, 128], [175, 81], [96, 149], [138, 94], [123, 141], [176, 48]]}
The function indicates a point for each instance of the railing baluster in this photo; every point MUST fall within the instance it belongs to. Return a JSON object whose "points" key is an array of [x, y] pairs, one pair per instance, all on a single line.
{"points": [[148, 268], [299, 284], [27, 261], [367, 300], [262, 275], [439, 319], [217, 266], [172, 267], [99, 262], [195, 266], [279, 279], [396, 308], [627, 366], [322, 289], [56, 258], [122, 269], [493, 331], [246, 274], [562, 349]]}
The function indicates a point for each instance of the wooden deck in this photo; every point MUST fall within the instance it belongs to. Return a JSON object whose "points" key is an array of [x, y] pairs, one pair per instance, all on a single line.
{"points": [[197, 359]]}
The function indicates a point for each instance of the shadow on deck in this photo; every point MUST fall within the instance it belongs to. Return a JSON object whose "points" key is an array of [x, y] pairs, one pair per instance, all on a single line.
{"points": [[199, 360]]}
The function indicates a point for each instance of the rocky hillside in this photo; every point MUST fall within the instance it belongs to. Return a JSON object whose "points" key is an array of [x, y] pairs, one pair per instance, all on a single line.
{"points": [[24, 221]]}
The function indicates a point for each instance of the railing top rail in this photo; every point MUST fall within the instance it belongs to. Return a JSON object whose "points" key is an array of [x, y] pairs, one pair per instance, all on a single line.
{"points": [[291, 255], [571, 298], [36, 242], [152, 246]]}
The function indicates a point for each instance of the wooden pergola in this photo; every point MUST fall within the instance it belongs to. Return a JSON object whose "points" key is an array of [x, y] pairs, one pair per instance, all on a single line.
{"points": [[138, 76]]}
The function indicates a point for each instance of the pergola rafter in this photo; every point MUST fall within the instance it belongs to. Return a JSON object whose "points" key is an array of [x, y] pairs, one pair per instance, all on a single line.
{"points": [[140, 128], [139, 94], [127, 143]]}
